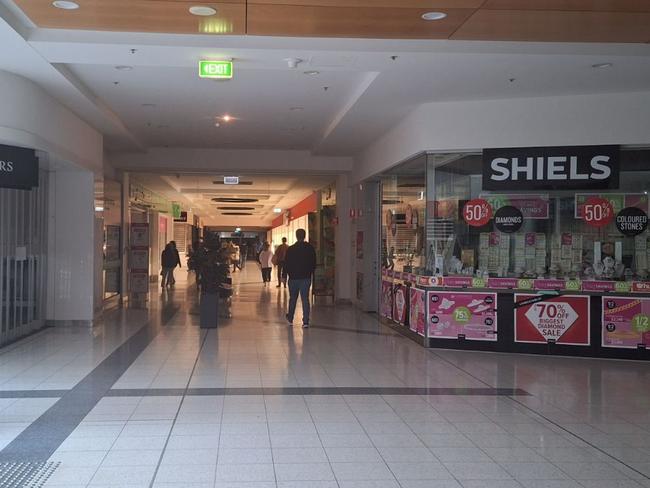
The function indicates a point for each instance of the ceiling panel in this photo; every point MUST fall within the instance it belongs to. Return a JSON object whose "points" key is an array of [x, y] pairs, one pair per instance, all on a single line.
{"points": [[138, 16], [295, 20], [555, 26], [578, 5]]}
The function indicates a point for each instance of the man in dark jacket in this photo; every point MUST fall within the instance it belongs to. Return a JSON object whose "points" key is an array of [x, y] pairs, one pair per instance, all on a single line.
{"points": [[299, 264], [169, 260]]}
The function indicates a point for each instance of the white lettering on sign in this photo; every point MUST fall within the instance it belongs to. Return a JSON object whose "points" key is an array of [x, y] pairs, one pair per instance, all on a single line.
{"points": [[552, 319], [7, 166], [552, 168]]}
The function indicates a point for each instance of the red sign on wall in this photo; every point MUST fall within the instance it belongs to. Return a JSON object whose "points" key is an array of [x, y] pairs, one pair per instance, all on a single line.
{"points": [[597, 212], [562, 319]]}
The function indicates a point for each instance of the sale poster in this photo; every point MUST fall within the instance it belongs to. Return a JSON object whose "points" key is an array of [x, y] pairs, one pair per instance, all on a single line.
{"points": [[471, 315], [139, 235], [417, 311], [626, 322], [400, 304], [531, 206], [562, 319], [386, 299]]}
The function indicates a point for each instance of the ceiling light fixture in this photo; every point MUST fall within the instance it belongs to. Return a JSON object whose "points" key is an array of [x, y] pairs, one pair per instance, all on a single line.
{"points": [[277, 210], [65, 5], [99, 209], [434, 16], [226, 118], [202, 11], [311, 73], [124, 68], [602, 65]]}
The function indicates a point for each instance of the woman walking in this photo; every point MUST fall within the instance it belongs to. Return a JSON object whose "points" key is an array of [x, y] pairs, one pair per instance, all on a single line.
{"points": [[266, 262]]}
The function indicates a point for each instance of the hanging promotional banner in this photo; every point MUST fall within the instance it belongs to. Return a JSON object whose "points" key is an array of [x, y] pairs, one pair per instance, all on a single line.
{"points": [[464, 315], [400, 301], [560, 319], [508, 219], [626, 322], [632, 221], [619, 201], [551, 168], [477, 212], [531, 206], [386, 305], [417, 311], [597, 212], [18, 168]]}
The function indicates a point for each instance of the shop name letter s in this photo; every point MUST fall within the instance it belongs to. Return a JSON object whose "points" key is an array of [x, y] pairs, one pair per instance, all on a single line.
{"points": [[7, 166]]}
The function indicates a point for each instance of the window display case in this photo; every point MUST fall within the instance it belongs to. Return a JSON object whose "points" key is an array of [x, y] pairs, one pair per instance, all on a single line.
{"points": [[551, 242]]}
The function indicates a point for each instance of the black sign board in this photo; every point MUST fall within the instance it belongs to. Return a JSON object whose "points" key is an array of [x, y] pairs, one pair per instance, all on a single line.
{"points": [[182, 218], [632, 221], [508, 219], [551, 168], [18, 168]]}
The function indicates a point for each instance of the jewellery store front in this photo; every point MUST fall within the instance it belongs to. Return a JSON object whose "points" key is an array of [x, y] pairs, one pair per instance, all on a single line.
{"points": [[536, 250]]}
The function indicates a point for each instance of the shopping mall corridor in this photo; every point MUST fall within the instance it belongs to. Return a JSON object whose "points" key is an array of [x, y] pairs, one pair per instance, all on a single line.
{"points": [[147, 398]]}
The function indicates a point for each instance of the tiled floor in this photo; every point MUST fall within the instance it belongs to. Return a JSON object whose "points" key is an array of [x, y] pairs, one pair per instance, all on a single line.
{"points": [[157, 402]]}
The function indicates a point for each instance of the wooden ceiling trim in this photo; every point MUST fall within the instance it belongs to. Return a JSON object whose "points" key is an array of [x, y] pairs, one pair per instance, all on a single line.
{"points": [[555, 26], [428, 4], [354, 22], [138, 16], [575, 5]]}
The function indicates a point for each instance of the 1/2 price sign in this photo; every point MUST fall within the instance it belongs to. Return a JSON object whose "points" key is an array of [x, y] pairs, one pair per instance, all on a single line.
{"points": [[598, 212], [477, 212]]}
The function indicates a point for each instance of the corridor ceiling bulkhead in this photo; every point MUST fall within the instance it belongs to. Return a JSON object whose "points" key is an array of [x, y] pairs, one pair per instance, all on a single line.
{"points": [[626, 21]]}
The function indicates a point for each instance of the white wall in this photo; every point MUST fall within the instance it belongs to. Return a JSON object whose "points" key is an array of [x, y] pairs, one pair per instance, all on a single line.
{"points": [[71, 222], [545, 121], [29, 117], [241, 160]]}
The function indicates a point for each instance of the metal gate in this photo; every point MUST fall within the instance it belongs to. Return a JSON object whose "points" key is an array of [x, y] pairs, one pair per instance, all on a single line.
{"points": [[23, 253]]}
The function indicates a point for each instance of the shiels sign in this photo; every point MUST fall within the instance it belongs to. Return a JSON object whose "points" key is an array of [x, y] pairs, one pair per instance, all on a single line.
{"points": [[18, 168], [551, 168]]}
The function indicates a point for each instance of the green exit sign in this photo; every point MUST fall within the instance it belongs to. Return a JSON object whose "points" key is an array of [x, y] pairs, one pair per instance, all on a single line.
{"points": [[221, 70]]}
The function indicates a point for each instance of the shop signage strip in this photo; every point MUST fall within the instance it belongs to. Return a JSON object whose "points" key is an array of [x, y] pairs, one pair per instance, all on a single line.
{"points": [[551, 168], [626, 322], [18, 168]]}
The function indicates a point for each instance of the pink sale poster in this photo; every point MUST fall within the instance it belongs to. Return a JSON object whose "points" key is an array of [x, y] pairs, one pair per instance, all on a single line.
{"points": [[417, 311], [626, 322], [468, 314], [386, 299]]}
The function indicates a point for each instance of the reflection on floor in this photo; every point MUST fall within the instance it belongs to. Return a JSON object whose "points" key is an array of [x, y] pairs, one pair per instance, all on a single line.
{"points": [[148, 399]]}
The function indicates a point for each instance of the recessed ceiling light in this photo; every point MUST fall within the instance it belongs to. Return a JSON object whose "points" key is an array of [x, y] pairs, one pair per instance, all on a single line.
{"points": [[602, 65], [65, 5], [434, 16], [226, 118], [202, 11], [124, 68], [312, 73], [277, 210]]}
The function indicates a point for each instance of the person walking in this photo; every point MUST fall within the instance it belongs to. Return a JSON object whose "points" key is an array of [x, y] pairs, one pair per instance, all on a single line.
{"points": [[169, 260], [266, 261], [178, 261], [280, 256], [300, 264]]}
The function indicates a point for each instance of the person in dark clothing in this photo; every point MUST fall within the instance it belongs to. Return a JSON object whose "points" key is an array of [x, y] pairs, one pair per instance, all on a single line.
{"points": [[280, 257], [169, 260], [300, 264], [178, 261]]}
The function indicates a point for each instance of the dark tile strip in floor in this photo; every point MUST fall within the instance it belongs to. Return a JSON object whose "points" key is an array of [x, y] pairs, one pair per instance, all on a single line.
{"points": [[33, 393], [44, 436], [318, 391]]}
